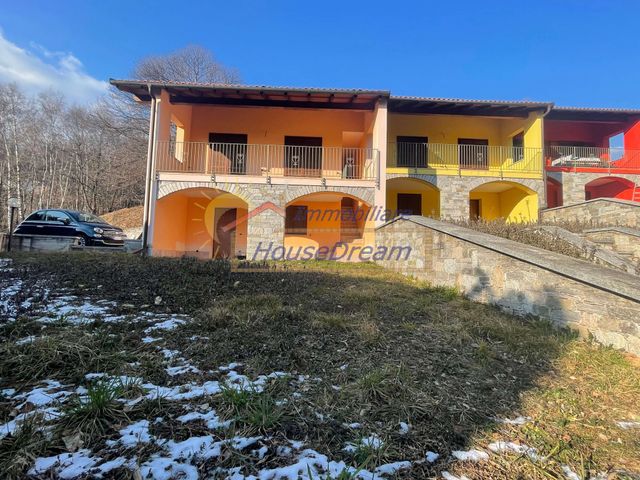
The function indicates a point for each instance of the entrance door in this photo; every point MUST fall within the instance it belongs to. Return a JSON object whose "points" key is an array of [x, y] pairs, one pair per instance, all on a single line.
{"points": [[474, 209], [473, 153], [409, 204], [234, 147], [224, 245], [302, 156]]}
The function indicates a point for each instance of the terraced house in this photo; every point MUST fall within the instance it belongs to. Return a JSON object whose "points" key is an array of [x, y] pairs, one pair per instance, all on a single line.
{"points": [[237, 170]]}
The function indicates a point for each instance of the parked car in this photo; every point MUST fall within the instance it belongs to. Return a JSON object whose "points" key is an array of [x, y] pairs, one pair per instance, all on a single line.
{"points": [[89, 228]]}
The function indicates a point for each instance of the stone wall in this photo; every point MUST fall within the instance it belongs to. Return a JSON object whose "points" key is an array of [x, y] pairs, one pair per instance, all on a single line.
{"points": [[622, 240], [266, 204], [454, 190], [603, 212], [521, 279], [573, 184]]}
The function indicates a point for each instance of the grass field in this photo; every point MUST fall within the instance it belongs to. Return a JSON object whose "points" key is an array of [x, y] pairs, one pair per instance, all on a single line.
{"points": [[116, 366]]}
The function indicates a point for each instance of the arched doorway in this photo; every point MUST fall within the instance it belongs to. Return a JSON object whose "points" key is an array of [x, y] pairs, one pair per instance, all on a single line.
{"points": [[322, 220], [609, 187], [412, 196], [507, 200], [554, 193], [200, 222]]}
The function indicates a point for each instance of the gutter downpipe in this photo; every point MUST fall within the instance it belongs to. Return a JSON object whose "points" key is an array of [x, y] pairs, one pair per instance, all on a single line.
{"points": [[544, 163], [149, 175]]}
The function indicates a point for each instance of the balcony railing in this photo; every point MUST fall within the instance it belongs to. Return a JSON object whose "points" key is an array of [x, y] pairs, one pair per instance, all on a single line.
{"points": [[268, 160], [453, 158], [592, 159]]}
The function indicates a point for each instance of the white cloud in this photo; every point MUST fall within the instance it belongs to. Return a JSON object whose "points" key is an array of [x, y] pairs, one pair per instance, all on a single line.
{"points": [[40, 69]]}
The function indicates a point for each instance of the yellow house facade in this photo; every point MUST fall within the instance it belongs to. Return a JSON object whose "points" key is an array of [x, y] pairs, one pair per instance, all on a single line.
{"points": [[465, 159], [275, 172]]}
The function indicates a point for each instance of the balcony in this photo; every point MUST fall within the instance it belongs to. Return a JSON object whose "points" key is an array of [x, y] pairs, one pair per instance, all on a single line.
{"points": [[592, 160], [454, 159], [243, 160]]}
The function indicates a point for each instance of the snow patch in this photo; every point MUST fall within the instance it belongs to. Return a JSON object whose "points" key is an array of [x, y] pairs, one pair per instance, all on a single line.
{"points": [[470, 455]]}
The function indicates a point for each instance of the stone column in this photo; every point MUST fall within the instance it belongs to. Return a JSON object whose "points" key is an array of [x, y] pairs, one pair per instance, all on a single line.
{"points": [[265, 231], [454, 197]]}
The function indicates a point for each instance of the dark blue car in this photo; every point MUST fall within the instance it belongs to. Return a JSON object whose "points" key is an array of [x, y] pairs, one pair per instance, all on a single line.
{"points": [[90, 229]]}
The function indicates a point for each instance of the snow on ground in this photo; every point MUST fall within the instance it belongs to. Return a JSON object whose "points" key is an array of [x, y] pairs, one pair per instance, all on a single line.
{"points": [[499, 447], [626, 425], [470, 455], [181, 459]]}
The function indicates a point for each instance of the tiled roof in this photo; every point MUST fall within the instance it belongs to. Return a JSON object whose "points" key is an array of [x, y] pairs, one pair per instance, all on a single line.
{"points": [[469, 101], [227, 86]]}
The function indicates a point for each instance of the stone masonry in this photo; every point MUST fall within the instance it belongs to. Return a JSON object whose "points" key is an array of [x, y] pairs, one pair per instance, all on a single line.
{"points": [[521, 279], [602, 212], [454, 190], [573, 184], [266, 204]]}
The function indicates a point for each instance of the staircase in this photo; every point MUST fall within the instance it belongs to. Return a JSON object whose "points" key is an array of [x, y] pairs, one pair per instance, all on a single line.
{"points": [[349, 230]]}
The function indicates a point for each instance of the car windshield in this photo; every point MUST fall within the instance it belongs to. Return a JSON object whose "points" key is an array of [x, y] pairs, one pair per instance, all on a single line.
{"points": [[88, 218]]}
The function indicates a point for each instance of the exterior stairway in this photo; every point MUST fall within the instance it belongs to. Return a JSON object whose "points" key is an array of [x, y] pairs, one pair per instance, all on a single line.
{"points": [[349, 231]]}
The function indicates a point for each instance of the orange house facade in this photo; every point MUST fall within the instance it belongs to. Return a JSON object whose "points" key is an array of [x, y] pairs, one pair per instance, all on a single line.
{"points": [[262, 173], [298, 173]]}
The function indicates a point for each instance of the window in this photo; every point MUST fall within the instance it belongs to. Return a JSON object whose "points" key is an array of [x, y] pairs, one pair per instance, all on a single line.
{"points": [[517, 144], [88, 218], [36, 216], [412, 151], [176, 140], [296, 220], [57, 216]]}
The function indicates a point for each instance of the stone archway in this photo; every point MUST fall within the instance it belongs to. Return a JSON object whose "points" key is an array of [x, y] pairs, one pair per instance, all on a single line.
{"points": [[511, 201], [201, 222]]}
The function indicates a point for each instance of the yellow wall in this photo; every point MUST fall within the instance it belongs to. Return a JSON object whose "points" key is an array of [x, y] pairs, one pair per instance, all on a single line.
{"points": [[430, 195], [447, 129], [515, 204]]}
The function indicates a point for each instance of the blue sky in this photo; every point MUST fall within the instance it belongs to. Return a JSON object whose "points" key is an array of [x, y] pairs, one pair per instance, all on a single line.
{"points": [[572, 52]]}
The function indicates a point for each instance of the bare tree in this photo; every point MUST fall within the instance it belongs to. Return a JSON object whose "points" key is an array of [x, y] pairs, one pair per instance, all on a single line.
{"points": [[190, 64], [92, 158]]}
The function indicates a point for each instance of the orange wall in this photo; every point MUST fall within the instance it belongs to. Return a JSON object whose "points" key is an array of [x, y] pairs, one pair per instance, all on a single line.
{"points": [[327, 233], [184, 222]]}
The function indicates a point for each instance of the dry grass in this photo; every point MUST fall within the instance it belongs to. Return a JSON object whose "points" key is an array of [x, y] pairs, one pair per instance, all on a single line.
{"points": [[125, 218], [384, 349], [527, 233]]}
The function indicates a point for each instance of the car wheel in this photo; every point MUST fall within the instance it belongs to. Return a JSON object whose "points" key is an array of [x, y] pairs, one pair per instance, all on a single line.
{"points": [[82, 241]]}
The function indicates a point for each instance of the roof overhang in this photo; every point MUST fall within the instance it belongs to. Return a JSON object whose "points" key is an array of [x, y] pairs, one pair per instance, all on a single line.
{"points": [[252, 95], [599, 115], [453, 106]]}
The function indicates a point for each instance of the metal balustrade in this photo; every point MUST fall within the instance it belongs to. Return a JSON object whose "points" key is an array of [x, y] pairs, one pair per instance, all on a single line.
{"points": [[268, 160], [575, 158], [456, 158]]}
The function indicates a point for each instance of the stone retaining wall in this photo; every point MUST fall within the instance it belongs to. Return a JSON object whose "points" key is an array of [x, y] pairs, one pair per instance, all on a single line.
{"points": [[605, 212], [519, 278], [624, 241]]}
